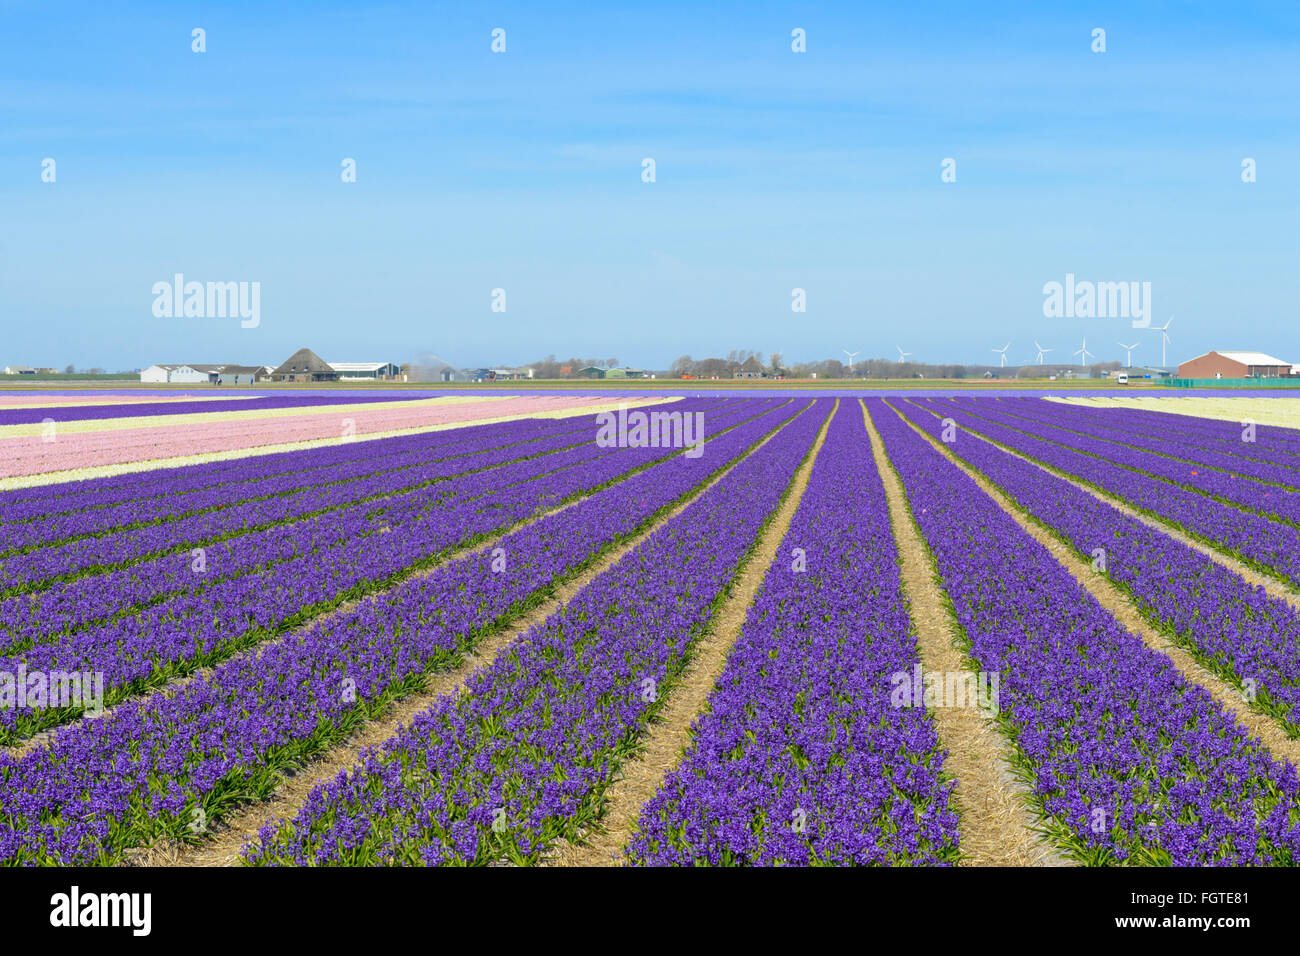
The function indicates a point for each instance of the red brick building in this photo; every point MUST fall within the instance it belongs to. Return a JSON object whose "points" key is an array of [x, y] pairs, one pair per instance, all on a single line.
{"points": [[1234, 365]]}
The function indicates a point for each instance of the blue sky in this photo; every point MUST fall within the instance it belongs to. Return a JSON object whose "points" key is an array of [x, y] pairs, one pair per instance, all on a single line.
{"points": [[522, 171]]}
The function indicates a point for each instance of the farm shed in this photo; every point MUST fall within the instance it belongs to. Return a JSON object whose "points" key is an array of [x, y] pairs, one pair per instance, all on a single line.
{"points": [[1234, 365], [379, 371], [305, 365]]}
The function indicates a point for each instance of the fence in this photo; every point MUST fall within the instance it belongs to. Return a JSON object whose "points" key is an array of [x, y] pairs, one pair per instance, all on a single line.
{"points": [[1252, 383]]}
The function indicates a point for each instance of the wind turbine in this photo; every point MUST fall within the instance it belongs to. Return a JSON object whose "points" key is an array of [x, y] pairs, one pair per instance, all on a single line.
{"points": [[1164, 338], [1003, 352], [1130, 351], [1041, 350], [850, 355], [902, 356], [1083, 362]]}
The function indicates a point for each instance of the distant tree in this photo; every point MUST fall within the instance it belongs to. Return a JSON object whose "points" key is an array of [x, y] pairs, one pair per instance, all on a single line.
{"points": [[69, 369], [737, 357], [682, 366], [545, 368], [831, 368], [710, 367]]}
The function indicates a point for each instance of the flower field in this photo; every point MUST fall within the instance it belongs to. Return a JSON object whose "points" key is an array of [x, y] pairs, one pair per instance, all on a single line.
{"points": [[461, 632]]}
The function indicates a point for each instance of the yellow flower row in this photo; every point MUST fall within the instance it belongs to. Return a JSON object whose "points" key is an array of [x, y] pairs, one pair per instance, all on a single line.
{"points": [[1283, 412]]}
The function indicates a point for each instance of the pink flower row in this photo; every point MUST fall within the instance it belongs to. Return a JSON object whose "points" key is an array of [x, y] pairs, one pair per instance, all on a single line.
{"points": [[33, 455]]}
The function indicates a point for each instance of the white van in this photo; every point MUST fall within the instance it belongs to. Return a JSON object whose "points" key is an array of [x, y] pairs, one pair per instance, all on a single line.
{"points": [[1122, 378]]}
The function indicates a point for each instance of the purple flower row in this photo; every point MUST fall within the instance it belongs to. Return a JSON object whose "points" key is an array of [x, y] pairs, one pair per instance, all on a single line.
{"points": [[64, 559], [203, 627], [1232, 626], [1117, 425], [179, 502], [1272, 443], [802, 757], [241, 476], [67, 559], [337, 515], [523, 756], [1269, 545], [61, 607], [1128, 762], [144, 770], [1227, 486]]}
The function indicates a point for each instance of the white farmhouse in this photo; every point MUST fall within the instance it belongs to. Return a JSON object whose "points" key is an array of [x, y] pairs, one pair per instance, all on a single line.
{"points": [[359, 371], [187, 374], [199, 374]]}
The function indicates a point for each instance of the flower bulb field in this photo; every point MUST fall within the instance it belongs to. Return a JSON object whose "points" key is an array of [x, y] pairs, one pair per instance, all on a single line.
{"points": [[644, 630]]}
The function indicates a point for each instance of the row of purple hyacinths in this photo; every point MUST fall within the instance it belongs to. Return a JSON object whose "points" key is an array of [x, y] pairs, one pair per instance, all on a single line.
{"points": [[1127, 760], [1239, 457], [251, 526], [1232, 626], [801, 757], [172, 489], [54, 606], [1272, 443], [203, 626], [144, 770], [522, 758], [1235, 485], [70, 545], [1269, 545]]}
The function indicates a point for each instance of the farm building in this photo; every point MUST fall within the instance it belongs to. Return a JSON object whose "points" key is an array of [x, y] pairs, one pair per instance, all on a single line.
{"points": [[19, 370], [357, 371], [305, 365], [200, 373], [597, 371], [1234, 365], [240, 374], [751, 368], [500, 374], [187, 374]]}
